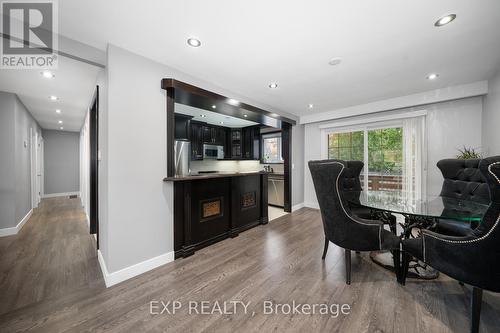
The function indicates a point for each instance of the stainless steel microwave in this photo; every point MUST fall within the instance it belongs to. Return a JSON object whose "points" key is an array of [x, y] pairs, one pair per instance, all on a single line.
{"points": [[212, 152]]}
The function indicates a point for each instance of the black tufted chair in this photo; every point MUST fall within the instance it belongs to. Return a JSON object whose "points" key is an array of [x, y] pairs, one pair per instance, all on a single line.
{"points": [[462, 180], [351, 188], [341, 226], [473, 259]]}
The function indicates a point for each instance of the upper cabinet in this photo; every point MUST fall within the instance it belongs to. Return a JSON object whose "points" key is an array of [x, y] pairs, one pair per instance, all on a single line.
{"points": [[196, 141], [214, 135], [235, 143], [182, 127], [238, 143], [250, 142]]}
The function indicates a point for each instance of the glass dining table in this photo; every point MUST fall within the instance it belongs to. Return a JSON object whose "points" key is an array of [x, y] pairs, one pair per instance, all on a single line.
{"points": [[419, 213]]}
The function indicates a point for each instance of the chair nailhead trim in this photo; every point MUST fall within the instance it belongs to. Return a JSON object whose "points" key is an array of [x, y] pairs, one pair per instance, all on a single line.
{"points": [[349, 216], [470, 240]]}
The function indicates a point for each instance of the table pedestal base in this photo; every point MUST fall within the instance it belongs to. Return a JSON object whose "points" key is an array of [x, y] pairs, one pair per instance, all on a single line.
{"points": [[417, 268]]}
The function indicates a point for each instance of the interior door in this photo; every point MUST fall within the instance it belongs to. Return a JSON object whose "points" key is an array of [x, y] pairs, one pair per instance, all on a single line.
{"points": [[33, 149], [39, 161]]}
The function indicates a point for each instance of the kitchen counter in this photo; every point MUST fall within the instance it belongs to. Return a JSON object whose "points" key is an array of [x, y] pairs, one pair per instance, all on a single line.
{"points": [[212, 175]]}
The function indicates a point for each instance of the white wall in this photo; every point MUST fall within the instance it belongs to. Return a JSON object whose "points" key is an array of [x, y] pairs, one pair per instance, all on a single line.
{"points": [[450, 126], [16, 124], [297, 165], [491, 117], [135, 205], [61, 162]]}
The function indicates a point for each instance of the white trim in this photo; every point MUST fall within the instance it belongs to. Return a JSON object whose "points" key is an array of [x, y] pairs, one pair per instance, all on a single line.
{"points": [[87, 218], [478, 88], [14, 230], [313, 205], [375, 119], [297, 207], [129, 272], [65, 194]]}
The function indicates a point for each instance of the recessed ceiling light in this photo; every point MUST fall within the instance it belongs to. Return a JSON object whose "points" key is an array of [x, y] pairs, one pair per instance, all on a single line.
{"points": [[445, 20], [194, 42], [233, 101], [432, 76], [214, 106], [221, 122], [53, 98], [245, 115], [335, 61], [61, 127], [60, 121], [203, 116], [273, 85], [310, 106], [58, 111], [47, 74]]}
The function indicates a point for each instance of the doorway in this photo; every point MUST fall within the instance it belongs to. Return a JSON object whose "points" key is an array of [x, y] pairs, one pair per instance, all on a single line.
{"points": [[94, 165], [36, 167]]}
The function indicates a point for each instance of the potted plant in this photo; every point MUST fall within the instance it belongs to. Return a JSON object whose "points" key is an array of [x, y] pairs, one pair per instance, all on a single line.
{"points": [[468, 154]]}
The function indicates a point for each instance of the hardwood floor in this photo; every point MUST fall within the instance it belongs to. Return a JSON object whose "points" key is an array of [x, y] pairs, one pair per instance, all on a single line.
{"points": [[52, 255], [278, 262]]}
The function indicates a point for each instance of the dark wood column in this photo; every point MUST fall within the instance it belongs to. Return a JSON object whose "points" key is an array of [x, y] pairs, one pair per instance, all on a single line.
{"points": [[170, 131], [286, 141]]}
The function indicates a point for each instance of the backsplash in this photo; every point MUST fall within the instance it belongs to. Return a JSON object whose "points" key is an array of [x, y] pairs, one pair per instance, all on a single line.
{"points": [[278, 168], [228, 166]]}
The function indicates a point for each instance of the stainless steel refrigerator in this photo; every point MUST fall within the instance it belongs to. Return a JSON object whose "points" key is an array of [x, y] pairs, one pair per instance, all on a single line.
{"points": [[182, 153]]}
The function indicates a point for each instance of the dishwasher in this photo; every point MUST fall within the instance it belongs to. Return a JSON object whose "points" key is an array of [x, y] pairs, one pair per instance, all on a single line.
{"points": [[275, 190]]}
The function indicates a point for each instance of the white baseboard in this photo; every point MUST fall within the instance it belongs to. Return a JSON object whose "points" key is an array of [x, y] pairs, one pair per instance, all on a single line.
{"points": [[17, 228], [129, 272], [65, 194], [297, 206], [314, 205], [87, 218]]}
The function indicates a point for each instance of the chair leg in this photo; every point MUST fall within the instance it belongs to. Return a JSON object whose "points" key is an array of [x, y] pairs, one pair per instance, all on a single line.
{"points": [[396, 256], [325, 249], [477, 298], [347, 266], [404, 267]]}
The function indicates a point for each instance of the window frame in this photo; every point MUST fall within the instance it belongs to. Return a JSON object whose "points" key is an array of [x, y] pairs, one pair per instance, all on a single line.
{"points": [[325, 132], [280, 147]]}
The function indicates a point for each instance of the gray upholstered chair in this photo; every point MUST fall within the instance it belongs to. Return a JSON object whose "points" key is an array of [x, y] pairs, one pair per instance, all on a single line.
{"points": [[341, 226], [474, 258]]}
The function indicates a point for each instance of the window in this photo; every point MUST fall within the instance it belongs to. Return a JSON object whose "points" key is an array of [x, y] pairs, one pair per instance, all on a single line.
{"points": [[346, 146], [271, 148], [384, 155], [393, 150]]}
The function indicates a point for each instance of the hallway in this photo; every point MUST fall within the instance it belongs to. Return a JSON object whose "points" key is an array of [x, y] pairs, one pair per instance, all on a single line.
{"points": [[52, 255]]}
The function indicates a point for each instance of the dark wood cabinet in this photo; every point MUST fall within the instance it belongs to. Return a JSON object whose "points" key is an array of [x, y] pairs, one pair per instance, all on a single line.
{"points": [[196, 141], [213, 135], [250, 143], [236, 143], [182, 127], [209, 210]]}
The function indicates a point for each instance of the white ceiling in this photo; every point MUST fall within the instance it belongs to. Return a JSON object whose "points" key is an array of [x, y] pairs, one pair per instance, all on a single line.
{"points": [[212, 118], [388, 46], [74, 84]]}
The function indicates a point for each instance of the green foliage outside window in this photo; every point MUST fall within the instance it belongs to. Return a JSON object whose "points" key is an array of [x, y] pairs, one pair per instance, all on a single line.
{"points": [[385, 148]]}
